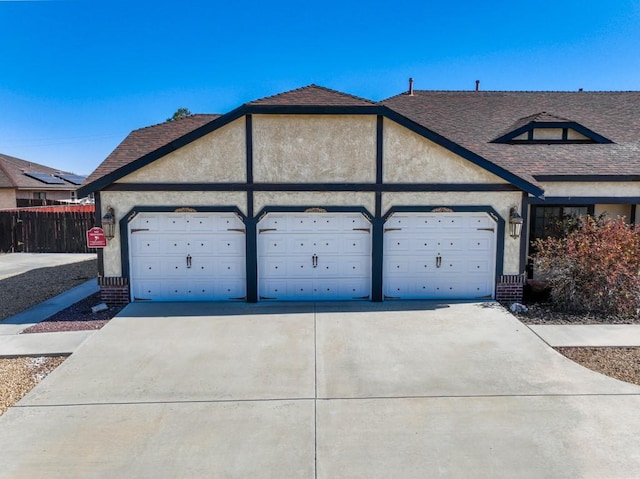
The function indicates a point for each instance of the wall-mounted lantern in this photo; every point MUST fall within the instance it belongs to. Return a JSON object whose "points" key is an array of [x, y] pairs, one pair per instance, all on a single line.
{"points": [[515, 223], [109, 223]]}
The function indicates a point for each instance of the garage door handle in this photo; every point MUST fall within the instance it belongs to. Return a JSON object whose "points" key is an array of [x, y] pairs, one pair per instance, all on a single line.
{"points": [[314, 260], [438, 261], [188, 261]]}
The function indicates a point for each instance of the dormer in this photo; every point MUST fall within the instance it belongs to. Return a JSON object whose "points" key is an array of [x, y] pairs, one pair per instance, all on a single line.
{"points": [[545, 128]]}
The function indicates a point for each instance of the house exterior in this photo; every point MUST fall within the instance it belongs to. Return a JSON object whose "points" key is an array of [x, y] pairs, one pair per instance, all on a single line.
{"points": [[314, 194], [26, 180]]}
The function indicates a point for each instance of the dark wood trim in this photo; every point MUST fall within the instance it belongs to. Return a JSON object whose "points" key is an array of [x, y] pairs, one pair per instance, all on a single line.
{"points": [[588, 178], [378, 110], [592, 136], [355, 187], [98, 222], [379, 148], [251, 261], [524, 236], [584, 200]]}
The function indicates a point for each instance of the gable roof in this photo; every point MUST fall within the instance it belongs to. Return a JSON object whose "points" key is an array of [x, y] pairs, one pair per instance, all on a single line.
{"points": [[312, 95], [466, 122], [146, 140], [13, 175], [473, 120]]}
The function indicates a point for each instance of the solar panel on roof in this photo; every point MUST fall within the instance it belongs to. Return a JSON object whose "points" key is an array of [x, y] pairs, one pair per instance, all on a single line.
{"points": [[71, 178], [44, 177]]}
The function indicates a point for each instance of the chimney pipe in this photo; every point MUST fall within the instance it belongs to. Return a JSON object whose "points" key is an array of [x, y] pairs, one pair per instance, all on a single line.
{"points": [[477, 85], [411, 86]]}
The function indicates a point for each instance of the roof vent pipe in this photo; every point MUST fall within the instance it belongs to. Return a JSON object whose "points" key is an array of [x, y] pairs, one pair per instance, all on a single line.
{"points": [[477, 85], [411, 86]]}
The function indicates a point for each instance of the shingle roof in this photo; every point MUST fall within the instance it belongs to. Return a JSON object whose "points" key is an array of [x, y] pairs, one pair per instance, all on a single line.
{"points": [[470, 119], [473, 119], [12, 175], [146, 140], [313, 95]]}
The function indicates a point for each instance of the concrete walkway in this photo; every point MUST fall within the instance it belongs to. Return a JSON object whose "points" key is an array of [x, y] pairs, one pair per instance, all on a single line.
{"points": [[589, 335], [42, 344], [319, 391], [13, 264], [21, 321]]}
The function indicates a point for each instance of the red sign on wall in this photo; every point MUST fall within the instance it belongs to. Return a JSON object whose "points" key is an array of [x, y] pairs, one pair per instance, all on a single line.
{"points": [[96, 238]]}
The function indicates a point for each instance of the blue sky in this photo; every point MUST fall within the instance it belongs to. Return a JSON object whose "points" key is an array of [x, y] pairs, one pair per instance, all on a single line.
{"points": [[77, 75]]}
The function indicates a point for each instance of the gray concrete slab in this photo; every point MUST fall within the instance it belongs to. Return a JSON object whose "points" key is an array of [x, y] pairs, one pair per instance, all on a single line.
{"points": [[13, 264], [163, 440], [481, 437], [42, 344], [589, 335], [21, 321], [463, 349], [194, 352], [357, 390]]}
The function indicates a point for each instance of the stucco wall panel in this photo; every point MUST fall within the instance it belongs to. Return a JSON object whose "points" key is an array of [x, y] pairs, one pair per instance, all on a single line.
{"points": [[312, 199], [411, 158], [7, 198], [314, 148], [124, 201], [501, 202], [219, 157], [612, 211], [603, 188]]}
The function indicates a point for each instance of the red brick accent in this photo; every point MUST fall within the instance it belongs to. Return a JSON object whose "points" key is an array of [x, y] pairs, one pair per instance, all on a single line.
{"points": [[510, 288], [114, 290]]}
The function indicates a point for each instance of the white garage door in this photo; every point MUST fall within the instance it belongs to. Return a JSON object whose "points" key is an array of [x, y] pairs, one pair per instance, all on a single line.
{"points": [[314, 256], [187, 257], [439, 256]]}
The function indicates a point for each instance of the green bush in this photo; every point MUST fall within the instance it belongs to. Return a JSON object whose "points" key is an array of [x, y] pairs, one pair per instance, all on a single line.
{"points": [[594, 267]]}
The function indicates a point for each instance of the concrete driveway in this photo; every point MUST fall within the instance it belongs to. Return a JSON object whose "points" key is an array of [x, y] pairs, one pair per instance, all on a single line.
{"points": [[304, 390]]}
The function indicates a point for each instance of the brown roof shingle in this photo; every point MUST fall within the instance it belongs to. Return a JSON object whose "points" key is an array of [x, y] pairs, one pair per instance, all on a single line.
{"points": [[313, 95], [12, 175], [146, 140], [473, 119]]}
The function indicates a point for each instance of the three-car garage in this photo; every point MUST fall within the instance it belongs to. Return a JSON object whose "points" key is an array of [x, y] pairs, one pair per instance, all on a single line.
{"points": [[311, 255]]}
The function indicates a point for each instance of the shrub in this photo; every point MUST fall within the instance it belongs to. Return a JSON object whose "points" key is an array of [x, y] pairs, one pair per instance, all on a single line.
{"points": [[595, 267]]}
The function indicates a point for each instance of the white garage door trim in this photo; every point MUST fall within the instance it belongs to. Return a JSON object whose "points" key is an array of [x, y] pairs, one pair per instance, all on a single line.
{"points": [[450, 255], [185, 256], [314, 256]]}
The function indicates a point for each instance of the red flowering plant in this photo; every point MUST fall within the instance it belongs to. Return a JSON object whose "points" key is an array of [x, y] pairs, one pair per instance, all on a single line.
{"points": [[593, 267]]}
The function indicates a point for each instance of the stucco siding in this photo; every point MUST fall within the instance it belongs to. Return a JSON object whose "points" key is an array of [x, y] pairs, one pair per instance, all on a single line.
{"points": [[602, 188], [314, 148], [612, 211], [411, 158], [124, 201], [219, 157], [501, 202], [7, 198], [313, 199]]}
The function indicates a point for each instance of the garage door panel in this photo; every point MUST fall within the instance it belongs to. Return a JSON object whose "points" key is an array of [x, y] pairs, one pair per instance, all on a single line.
{"points": [[190, 256], [229, 245], [298, 267], [147, 245], [174, 245], [316, 252], [439, 255]]}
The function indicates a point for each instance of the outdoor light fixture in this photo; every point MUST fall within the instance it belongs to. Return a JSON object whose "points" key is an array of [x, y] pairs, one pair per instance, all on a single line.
{"points": [[108, 223], [515, 223]]}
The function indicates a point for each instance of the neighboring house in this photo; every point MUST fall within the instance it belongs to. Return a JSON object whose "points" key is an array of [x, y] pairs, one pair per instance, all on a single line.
{"points": [[26, 180], [316, 194]]}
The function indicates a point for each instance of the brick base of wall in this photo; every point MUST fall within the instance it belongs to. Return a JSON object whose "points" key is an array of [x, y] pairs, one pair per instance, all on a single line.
{"points": [[510, 288], [114, 290]]}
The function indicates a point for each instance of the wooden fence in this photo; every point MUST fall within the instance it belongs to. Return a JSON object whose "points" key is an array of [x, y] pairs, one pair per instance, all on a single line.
{"points": [[33, 231]]}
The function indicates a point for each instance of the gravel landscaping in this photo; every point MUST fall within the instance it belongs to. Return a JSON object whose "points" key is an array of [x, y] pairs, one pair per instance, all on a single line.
{"points": [[23, 291]]}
